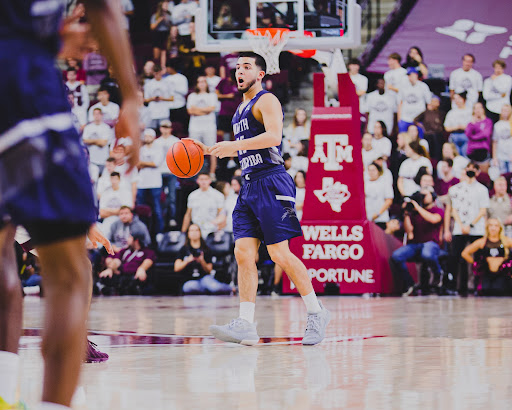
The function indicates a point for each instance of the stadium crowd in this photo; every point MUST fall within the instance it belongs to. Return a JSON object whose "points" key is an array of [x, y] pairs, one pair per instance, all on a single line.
{"points": [[438, 168]]}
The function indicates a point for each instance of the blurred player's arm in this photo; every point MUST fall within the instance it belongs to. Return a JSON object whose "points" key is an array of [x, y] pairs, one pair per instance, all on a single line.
{"points": [[107, 24], [186, 220], [269, 112]]}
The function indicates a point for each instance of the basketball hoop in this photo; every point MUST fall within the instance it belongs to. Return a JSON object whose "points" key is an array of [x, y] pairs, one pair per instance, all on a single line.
{"points": [[269, 42]]}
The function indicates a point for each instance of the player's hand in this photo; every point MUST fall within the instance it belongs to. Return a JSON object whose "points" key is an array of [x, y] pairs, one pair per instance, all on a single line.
{"points": [[224, 149], [141, 274], [128, 126], [96, 237], [206, 149], [76, 37]]}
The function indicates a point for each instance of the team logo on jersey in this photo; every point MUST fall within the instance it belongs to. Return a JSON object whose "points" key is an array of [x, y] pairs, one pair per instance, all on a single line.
{"points": [[338, 151], [335, 193], [470, 32], [288, 212]]}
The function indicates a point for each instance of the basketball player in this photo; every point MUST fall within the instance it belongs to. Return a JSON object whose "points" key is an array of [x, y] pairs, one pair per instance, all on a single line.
{"points": [[44, 180], [265, 210]]}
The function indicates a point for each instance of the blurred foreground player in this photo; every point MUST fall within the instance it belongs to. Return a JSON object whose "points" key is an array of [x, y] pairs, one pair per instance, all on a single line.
{"points": [[265, 209], [93, 355], [51, 194]]}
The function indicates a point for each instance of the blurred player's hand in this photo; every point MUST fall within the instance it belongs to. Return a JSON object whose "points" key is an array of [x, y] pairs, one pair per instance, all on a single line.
{"points": [[128, 126], [206, 149], [76, 37], [96, 237], [225, 149]]}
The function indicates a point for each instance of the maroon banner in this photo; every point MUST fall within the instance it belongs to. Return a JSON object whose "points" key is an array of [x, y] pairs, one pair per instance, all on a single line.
{"points": [[339, 245], [445, 30]]}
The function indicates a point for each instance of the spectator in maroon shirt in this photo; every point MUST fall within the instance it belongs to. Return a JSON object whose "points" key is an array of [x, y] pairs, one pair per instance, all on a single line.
{"points": [[446, 179], [80, 72], [479, 132], [230, 99], [127, 270]]}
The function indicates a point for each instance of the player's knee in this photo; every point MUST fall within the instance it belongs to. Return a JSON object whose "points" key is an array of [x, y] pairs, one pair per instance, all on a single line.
{"points": [[244, 255], [280, 256]]}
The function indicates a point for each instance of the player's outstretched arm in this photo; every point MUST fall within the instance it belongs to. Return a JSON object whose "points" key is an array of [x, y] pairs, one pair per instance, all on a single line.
{"points": [[106, 21], [269, 112]]}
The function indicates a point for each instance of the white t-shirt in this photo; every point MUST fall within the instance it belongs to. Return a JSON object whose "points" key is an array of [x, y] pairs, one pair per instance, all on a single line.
{"points": [[381, 108], [470, 81], [458, 116], [116, 199], [493, 91], [182, 16], [467, 199], [80, 94], [110, 111], [369, 156], [414, 99], [459, 164], [300, 163], [396, 78], [229, 206], [502, 136], [382, 146], [202, 122], [376, 192], [361, 83], [179, 89], [163, 145], [158, 109], [409, 169], [150, 177], [205, 206], [294, 135], [126, 181], [213, 82], [101, 131]]}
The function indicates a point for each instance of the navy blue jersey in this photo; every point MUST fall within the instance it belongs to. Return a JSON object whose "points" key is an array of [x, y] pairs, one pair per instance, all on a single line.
{"points": [[34, 21], [246, 126]]}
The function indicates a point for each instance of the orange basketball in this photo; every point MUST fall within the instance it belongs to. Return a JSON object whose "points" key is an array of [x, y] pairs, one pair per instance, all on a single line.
{"points": [[185, 159]]}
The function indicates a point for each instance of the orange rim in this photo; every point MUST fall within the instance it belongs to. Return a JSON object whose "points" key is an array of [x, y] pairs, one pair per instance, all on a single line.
{"points": [[272, 31]]}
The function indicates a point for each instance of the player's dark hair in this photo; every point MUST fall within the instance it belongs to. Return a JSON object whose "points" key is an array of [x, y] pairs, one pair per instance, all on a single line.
{"points": [[259, 60], [395, 56], [115, 174]]}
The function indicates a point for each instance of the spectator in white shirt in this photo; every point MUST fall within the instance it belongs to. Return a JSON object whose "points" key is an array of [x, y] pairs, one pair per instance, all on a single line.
{"points": [[127, 8], [396, 75], [97, 136], [378, 194], [212, 78], [456, 121], [300, 192], [80, 95], [201, 106], [460, 162], [416, 158], [150, 179], [179, 88], [502, 141], [359, 80], [497, 90], [381, 106], [109, 109], [112, 200], [296, 132], [182, 15], [119, 153], [413, 97], [144, 114], [164, 144], [466, 79], [104, 181], [158, 93], [368, 153], [381, 142], [204, 207], [231, 193]]}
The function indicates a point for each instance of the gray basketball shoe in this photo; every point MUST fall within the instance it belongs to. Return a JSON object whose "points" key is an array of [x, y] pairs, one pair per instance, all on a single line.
{"points": [[315, 327], [237, 331]]}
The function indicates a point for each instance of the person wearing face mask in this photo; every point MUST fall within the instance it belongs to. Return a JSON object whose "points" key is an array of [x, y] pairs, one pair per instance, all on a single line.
{"points": [[467, 205], [150, 179]]}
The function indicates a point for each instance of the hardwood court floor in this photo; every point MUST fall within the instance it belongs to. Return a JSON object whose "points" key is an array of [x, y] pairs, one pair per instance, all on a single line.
{"points": [[384, 353]]}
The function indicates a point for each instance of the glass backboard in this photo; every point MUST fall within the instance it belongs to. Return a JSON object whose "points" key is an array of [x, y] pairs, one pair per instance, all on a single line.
{"points": [[329, 24]]}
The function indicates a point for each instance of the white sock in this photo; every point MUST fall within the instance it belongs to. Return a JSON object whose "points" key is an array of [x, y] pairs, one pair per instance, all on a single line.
{"points": [[9, 372], [46, 405], [311, 303], [247, 311]]}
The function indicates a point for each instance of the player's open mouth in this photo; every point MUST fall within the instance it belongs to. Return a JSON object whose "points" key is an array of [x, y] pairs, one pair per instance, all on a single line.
{"points": [[240, 81]]}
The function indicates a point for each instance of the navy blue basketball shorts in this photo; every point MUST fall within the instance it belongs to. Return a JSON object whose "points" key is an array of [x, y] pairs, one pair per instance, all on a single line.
{"points": [[266, 209], [44, 179]]}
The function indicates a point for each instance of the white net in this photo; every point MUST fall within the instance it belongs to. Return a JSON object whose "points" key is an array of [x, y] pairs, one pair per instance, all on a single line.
{"points": [[269, 45]]}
